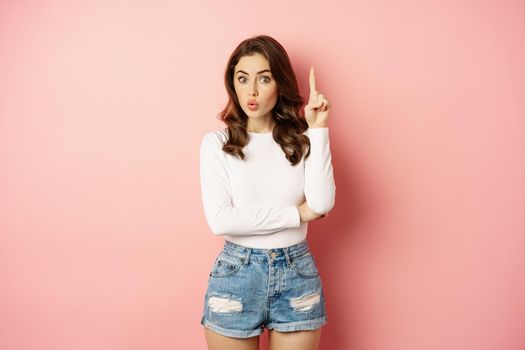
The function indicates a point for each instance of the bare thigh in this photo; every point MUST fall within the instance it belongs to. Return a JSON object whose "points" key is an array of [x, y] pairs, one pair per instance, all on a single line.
{"points": [[299, 340], [220, 342]]}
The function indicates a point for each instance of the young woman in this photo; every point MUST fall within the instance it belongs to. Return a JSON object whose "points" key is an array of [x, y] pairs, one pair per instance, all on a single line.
{"points": [[263, 178]]}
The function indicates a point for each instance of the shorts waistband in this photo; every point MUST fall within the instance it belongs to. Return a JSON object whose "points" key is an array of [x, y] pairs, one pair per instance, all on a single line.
{"points": [[289, 253]]}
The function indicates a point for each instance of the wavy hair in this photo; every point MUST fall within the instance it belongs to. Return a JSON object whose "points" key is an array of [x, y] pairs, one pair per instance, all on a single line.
{"points": [[288, 113]]}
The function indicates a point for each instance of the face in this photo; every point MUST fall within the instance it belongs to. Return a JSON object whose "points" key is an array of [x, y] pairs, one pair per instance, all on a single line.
{"points": [[253, 81]]}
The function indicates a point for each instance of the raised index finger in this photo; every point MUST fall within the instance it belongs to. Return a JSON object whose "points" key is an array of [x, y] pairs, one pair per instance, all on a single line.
{"points": [[312, 79]]}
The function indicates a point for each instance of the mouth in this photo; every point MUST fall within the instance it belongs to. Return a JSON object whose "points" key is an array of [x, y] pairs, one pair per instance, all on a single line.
{"points": [[253, 105]]}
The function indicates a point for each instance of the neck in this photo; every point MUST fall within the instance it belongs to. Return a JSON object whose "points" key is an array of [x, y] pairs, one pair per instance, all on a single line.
{"points": [[260, 126]]}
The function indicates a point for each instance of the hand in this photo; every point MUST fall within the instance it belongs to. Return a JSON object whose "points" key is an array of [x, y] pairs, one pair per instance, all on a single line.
{"points": [[306, 214], [318, 107]]}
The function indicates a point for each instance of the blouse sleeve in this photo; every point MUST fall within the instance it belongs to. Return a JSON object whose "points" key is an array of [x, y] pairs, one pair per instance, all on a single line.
{"points": [[222, 217], [319, 184]]}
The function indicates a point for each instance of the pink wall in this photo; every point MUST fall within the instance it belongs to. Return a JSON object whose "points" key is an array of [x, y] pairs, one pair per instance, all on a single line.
{"points": [[103, 243]]}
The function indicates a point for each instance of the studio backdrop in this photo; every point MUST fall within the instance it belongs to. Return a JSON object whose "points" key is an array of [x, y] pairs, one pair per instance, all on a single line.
{"points": [[103, 105]]}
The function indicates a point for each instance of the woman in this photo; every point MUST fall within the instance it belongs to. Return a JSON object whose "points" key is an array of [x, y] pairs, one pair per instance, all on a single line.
{"points": [[263, 178]]}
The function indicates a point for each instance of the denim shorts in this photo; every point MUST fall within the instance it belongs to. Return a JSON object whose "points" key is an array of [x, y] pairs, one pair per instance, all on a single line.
{"points": [[250, 288]]}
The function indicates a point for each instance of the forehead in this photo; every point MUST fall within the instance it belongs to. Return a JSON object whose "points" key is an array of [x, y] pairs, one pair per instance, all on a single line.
{"points": [[252, 64]]}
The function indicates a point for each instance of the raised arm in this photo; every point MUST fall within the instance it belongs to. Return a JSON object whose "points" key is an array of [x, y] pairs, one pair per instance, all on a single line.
{"points": [[319, 188], [222, 217]]}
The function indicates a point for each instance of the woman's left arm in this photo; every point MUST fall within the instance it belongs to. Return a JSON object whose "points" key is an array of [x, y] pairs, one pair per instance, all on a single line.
{"points": [[319, 188]]}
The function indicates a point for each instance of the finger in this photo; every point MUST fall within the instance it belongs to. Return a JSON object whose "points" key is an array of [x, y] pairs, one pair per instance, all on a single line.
{"points": [[312, 79], [314, 97]]}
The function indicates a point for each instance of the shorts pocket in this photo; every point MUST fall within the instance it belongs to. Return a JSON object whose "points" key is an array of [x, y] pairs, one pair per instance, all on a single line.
{"points": [[225, 265], [305, 266]]}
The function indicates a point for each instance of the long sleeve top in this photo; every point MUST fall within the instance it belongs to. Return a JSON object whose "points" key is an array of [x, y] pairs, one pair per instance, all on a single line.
{"points": [[253, 202]]}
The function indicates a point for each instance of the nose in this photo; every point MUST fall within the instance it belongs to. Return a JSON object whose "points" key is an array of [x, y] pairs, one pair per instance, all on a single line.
{"points": [[253, 89]]}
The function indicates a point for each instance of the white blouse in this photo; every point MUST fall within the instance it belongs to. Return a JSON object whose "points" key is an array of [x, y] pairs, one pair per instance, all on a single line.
{"points": [[253, 202]]}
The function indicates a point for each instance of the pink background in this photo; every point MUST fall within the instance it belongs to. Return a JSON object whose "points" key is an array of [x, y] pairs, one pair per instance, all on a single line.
{"points": [[103, 242]]}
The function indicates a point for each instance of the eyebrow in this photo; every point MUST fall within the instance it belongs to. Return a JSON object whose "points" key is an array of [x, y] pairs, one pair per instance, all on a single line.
{"points": [[264, 70]]}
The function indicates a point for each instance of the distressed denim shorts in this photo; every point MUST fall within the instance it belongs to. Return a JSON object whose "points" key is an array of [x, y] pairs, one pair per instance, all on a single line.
{"points": [[249, 289]]}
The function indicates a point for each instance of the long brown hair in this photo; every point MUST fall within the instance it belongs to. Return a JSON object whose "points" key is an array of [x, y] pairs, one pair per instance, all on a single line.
{"points": [[288, 113]]}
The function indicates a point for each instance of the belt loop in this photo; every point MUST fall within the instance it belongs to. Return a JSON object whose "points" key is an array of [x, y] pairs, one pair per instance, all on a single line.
{"points": [[288, 260], [247, 256]]}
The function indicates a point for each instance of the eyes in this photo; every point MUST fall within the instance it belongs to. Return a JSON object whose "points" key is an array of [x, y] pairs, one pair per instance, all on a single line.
{"points": [[242, 79]]}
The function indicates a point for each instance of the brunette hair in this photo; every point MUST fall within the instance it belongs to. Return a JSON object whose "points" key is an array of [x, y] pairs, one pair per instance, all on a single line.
{"points": [[288, 113]]}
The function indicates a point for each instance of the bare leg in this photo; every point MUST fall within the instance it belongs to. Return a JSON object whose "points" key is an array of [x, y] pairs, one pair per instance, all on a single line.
{"points": [[299, 340], [220, 342]]}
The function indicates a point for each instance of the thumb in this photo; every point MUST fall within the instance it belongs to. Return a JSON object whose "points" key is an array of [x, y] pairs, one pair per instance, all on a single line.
{"points": [[315, 105]]}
